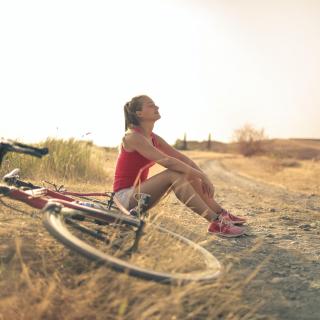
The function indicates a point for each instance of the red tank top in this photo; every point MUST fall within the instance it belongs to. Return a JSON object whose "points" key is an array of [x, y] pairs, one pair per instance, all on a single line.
{"points": [[130, 165]]}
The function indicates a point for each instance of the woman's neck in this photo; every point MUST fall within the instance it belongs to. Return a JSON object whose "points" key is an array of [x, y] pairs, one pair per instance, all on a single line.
{"points": [[146, 128]]}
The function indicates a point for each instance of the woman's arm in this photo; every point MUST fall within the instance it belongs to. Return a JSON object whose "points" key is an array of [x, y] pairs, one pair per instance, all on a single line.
{"points": [[140, 144], [170, 161], [169, 150], [207, 186]]}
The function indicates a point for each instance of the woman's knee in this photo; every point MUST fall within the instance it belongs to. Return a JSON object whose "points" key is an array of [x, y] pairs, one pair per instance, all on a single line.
{"points": [[198, 186], [175, 176]]}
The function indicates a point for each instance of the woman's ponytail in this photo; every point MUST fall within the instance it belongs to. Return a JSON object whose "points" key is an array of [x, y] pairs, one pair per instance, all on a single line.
{"points": [[126, 115], [130, 109]]}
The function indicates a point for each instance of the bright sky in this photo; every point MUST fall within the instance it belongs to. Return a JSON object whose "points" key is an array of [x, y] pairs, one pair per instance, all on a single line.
{"points": [[68, 67]]}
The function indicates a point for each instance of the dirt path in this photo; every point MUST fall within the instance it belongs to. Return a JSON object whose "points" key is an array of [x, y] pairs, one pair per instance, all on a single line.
{"points": [[287, 226]]}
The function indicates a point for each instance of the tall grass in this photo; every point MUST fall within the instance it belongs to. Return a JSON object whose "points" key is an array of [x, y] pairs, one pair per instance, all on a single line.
{"points": [[67, 160]]}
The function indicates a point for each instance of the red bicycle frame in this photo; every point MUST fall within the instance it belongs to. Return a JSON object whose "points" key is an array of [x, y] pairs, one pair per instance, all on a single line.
{"points": [[39, 198]]}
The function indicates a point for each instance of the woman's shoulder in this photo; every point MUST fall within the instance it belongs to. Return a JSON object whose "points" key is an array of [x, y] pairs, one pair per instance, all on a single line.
{"points": [[158, 139], [129, 139], [130, 135]]}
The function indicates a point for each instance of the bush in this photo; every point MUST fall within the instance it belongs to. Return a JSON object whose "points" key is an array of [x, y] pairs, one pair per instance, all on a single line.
{"points": [[67, 159], [249, 139]]}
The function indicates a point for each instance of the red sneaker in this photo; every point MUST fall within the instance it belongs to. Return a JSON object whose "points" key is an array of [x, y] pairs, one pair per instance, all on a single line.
{"points": [[225, 229], [225, 215]]}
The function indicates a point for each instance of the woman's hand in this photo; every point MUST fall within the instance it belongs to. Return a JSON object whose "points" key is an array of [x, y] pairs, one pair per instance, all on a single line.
{"points": [[207, 186]]}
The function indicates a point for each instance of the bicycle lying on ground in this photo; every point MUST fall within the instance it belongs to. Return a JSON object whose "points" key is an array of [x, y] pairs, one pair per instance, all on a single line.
{"points": [[103, 231]]}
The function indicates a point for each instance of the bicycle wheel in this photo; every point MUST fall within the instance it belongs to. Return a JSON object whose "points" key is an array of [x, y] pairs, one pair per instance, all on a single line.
{"points": [[162, 255]]}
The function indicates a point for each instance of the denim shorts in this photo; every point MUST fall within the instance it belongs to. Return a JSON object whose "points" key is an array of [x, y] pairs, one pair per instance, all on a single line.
{"points": [[124, 196]]}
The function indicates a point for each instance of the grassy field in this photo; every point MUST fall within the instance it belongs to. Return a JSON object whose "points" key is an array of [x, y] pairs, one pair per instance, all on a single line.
{"points": [[41, 279], [297, 175]]}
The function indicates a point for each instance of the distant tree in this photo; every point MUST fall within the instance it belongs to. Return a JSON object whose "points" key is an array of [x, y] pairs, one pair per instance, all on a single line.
{"points": [[209, 142], [249, 139], [178, 144], [185, 144], [181, 144]]}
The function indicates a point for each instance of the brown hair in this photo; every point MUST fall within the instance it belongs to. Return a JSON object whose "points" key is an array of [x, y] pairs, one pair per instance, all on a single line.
{"points": [[130, 109]]}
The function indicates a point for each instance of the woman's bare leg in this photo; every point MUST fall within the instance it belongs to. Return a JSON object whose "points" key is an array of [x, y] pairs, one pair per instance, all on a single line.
{"points": [[159, 184], [211, 203]]}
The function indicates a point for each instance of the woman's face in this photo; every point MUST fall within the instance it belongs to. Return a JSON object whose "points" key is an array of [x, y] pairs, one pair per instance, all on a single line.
{"points": [[149, 111]]}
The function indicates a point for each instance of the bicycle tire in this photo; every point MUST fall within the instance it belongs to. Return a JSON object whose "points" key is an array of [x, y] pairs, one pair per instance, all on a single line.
{"points": [[55, 222]]}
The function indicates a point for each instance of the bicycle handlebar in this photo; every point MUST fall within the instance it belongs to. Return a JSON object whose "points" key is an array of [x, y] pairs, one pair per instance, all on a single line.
{"points": [[12, 146]]}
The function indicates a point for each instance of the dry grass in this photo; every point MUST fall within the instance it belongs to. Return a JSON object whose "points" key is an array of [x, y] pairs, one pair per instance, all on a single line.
{"points": [[40, 279], [69, 160], [301, 149], [296, 175]]}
